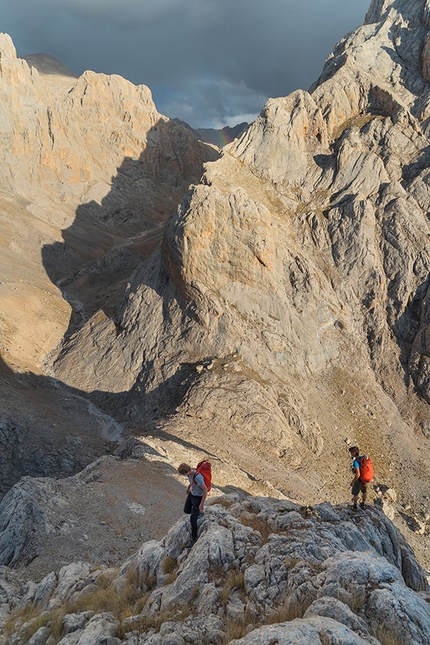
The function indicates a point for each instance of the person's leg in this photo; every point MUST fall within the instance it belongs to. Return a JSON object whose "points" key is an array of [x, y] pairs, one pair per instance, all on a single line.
{"points": [[363, 495], [188, 505], [195, 501], [355, 492]]}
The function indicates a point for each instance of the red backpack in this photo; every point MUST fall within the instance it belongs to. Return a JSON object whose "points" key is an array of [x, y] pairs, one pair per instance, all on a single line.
{"points": [[205, 469], [366, 469]]}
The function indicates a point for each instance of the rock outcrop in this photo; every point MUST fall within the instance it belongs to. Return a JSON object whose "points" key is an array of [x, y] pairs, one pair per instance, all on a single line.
{"points": [[262, 570]]}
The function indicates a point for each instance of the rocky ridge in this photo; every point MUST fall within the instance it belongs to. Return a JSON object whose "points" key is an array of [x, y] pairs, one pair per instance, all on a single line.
{"points": [[262, 570]]}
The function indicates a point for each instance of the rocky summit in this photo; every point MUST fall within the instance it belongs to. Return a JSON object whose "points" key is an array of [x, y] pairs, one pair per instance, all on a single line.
{"points": [[262, 571], [265, 305]]}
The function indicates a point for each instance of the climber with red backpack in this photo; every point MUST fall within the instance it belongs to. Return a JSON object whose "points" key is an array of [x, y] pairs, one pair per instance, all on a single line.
{"points": [[362, 467], [200, 481]]}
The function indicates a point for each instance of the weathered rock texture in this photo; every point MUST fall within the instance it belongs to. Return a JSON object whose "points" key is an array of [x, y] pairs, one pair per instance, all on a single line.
{"points": [[99, 515], [90, 173], [283, 316], [287, 308], [69, 141], [262, 571]]}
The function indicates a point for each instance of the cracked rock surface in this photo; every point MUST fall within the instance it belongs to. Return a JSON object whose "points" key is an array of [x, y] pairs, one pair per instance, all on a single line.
{"points": [[262, 571]]}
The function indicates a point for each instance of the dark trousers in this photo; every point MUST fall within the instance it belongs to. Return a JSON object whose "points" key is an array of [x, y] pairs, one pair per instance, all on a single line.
{"points": [[191, 507]]}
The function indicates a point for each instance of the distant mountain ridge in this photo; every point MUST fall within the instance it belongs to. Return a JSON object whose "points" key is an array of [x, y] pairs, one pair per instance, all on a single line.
{"points": [[47, 64], [222, 136]]}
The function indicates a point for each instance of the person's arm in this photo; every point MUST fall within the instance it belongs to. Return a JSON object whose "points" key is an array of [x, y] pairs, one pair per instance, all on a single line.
{"points": [[191, 472], [205, 494], [356, 476]]}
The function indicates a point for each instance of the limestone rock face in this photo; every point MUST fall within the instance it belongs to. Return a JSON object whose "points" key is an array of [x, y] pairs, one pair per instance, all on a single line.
{"points": [[89, 166], [68, 141], [287, 304], [284, 138], [91, 171]]}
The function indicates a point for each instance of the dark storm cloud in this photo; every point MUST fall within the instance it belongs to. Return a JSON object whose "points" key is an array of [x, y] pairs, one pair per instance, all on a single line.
{"points": [[209, 62]]}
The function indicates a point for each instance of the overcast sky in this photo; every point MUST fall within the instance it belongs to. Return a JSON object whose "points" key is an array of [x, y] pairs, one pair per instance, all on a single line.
{"points": [[209, 62]]}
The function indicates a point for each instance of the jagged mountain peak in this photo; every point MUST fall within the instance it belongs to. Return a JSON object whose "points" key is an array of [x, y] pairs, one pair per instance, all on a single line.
{"points": [[48, 65], [303, 255], [282, 317]]}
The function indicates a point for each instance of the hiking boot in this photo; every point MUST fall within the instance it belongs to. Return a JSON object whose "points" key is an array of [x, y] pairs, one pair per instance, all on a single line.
{"points": [[354, 507], [363, 505], [191, 542]]}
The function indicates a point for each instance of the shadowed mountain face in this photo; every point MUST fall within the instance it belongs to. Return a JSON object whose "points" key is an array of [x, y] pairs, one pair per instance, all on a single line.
{"points": [[91, 172], [282, 312]]}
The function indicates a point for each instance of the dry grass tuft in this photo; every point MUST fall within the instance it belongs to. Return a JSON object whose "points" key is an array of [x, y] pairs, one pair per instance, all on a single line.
{"points": [[235, 581], [169, 565], [258, 524], [23, 615], [57, 625], [236, 629], [37, 623], [104, 580], [122, 604], [179, 614], [170, 568], [290, 563], [289, 610]]}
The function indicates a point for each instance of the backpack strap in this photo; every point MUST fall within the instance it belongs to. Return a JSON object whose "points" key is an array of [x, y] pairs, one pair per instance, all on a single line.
{"points": [[195, 473]]}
